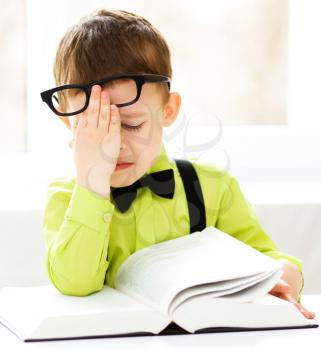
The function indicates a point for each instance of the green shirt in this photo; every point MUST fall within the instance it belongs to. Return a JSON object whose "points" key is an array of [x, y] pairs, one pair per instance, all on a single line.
{"points": [[88, 238]]}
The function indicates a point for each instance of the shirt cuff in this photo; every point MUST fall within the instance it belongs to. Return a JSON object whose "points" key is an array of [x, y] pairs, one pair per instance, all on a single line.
{"points": [[89, 209]]}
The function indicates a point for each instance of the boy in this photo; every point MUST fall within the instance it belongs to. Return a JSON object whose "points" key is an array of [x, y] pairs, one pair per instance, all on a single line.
{"points": [[94, 221]]}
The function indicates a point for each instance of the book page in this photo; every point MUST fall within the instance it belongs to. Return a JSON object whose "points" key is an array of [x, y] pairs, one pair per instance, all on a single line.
{"points": [[156, 274], [262, 312], [233, 288], [244, 293], [45, 312]]}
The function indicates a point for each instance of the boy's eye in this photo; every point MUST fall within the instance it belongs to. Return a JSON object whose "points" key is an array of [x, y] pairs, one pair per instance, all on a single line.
{"points": [[132, 127]]}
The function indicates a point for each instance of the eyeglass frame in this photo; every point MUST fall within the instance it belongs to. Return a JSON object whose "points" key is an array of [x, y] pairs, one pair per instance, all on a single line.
{"points": [[140, 80]]}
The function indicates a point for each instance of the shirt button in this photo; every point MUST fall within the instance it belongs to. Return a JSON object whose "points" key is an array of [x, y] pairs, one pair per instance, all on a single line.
{"points": [[107, 217]]}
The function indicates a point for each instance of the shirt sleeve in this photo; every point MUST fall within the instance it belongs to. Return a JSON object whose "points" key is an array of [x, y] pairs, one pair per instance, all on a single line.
{"points": [[76, 225], [236, 217]]}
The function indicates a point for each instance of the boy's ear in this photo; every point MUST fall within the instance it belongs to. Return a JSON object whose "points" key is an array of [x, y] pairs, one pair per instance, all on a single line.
{"points": [[171, 108], [65, 120]]}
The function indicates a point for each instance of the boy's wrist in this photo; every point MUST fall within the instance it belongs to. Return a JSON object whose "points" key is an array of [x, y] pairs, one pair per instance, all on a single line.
{"points": [[102, 191], [105, 194]]}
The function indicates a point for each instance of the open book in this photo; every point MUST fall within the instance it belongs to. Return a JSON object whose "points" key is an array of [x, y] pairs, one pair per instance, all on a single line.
{"points": [[207, 281]]}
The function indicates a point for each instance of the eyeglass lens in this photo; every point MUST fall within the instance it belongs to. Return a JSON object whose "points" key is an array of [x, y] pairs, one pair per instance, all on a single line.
{"points": [[119, 90]]}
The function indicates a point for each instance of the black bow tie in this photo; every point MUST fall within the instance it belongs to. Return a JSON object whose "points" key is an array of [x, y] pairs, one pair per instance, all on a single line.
{"points": [[160, 182]]}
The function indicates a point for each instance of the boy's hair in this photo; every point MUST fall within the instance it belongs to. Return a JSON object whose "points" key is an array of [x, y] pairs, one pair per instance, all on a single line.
{"points": [[107, 42]]}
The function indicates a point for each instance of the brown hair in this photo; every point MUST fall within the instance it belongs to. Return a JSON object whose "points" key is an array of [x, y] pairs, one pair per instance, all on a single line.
{"points": [[107, 42]]}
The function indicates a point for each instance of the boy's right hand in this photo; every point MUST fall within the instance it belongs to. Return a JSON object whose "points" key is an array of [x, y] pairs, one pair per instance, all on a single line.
{"points": [[97, 143], [284, 291]]}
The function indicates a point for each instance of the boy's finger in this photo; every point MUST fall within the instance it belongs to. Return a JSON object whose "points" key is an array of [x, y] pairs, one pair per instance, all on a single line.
{"points": [[290, 298], [300, 307], [281, 287], [92, 112], [75, 124], [114, 124], [82, 122], [307, 313], [104, 115]]}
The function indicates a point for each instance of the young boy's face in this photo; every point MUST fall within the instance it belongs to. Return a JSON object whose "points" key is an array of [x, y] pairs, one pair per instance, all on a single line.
{"points": [[141, 130]]}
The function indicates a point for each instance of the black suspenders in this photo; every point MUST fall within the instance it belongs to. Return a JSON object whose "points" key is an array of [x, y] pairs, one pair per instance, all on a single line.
{"points": [[194, 195]]}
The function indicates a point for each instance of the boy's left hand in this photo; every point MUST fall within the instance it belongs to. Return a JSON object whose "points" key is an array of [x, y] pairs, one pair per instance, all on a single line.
{"points": [[284, 291]]}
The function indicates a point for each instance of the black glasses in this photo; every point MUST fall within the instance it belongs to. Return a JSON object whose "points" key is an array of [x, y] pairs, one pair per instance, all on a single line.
{"points": [[126, 90]]}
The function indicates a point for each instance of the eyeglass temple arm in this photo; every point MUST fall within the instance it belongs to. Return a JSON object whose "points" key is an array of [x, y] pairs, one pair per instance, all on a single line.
{"points": [[156, 80]]}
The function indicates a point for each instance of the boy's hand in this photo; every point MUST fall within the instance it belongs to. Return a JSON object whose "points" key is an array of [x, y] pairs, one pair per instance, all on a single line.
{"points": [[97, 142], [284, 291]]}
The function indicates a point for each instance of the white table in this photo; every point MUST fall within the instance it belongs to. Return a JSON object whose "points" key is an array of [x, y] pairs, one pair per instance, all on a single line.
{"points": [[276, 339]]}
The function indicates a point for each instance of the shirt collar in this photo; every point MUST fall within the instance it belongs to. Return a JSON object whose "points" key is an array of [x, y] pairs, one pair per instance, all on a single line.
{"points": [[161, 163]]}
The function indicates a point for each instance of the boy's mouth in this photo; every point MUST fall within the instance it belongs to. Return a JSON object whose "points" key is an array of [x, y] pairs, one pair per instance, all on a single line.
{"points": [[120, 162], [120, 166]]}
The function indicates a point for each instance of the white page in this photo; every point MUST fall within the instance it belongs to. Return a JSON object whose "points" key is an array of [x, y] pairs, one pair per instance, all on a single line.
{"points": [[264, 311], [228, 287], [25, 308], [235, 294], [46, 300], [157, 273]]}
